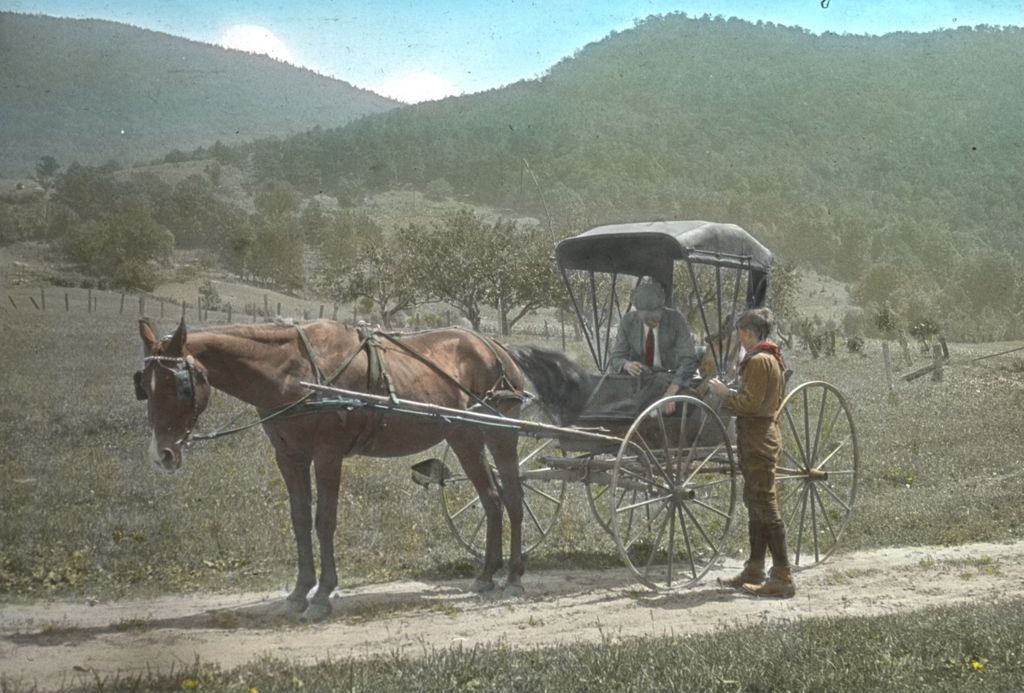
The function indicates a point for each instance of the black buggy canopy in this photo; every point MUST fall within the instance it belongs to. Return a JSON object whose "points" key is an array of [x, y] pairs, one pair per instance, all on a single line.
{"points": [[651, 248]]}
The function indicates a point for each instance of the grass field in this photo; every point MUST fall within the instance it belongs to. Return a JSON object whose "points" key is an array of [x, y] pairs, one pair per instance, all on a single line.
{"points": [[81, 514]]}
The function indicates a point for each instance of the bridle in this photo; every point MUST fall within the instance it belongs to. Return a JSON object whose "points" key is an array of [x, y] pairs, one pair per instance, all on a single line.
{"points": [[186, 373]]}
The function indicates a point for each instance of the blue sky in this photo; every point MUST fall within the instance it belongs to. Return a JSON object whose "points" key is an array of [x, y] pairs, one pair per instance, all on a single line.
{"points": [[424, 49]]}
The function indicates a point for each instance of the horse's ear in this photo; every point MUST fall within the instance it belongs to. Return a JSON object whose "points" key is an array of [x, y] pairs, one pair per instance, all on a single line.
{"points": [[148, 334], [177, 344]]}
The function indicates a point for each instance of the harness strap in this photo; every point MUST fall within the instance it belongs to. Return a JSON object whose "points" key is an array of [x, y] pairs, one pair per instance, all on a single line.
{"points": [[481, 401], [376, 369]]}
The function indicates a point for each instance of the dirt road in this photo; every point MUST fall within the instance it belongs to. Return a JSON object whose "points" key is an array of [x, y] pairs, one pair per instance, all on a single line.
{"points": [[59, 641]]}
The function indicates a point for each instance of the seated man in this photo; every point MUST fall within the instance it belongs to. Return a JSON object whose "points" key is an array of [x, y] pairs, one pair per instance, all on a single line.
{"points": [[655, 339]]}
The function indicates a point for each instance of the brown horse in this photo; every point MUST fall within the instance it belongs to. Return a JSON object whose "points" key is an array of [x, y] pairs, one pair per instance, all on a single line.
{"points": [[264, 365]]}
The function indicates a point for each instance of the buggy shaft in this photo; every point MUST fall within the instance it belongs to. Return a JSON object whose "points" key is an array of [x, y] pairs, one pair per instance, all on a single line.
{"points": [[406, 406]]}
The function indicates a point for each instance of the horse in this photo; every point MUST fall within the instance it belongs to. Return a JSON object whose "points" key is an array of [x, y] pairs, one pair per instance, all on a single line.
{"points": [[265, 365]]}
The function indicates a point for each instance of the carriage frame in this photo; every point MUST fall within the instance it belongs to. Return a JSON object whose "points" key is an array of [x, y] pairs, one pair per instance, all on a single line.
{"points": [[664, 487]]}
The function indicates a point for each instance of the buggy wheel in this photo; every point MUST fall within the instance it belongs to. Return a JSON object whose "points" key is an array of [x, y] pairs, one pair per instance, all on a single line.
{"points": [[817, 477], [543, 494], [672, 493]]}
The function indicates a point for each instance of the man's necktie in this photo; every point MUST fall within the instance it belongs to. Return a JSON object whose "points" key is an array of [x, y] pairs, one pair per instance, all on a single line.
{"points": [[649, 348]]}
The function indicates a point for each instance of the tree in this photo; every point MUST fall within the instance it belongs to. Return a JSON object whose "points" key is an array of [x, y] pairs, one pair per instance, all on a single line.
{"points": [[360, 261], [452, 262], [276, 200], [470, 264], [46, 172], [123, 246], [521, 277], [276, 254]]}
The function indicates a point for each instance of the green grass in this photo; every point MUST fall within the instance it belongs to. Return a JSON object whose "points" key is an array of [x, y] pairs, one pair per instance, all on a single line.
{"points": [[81, 514], [86, 515], [959, 648]]}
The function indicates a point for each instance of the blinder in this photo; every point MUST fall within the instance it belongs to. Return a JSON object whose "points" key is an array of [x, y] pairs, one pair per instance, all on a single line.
{"points": [[183, 385], [184, 379], [140, 392]]}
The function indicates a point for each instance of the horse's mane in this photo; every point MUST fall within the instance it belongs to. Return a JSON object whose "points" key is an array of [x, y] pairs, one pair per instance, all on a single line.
{"points": [[563, 387]]}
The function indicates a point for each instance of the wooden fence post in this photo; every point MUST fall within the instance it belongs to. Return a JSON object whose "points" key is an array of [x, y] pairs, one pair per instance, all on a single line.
{"points": [[906, 349], [945, 347], [183, 306], [937, 363], [266, 307], [278, 309], [42, 297], [321, 311], [88, 298], [122, 303], [67, 303], [888, 364], [11, 299], [142, 305], [34, 304]]}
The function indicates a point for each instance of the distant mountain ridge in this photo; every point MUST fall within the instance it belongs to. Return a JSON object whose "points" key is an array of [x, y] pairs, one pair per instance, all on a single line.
{"points": [[93, 90]]}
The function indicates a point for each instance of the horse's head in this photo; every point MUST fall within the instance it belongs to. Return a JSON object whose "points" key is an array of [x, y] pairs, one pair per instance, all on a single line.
{"points": [[176, 390]]}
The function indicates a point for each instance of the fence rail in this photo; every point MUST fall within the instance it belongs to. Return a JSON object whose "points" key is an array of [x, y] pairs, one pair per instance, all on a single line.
{"points": [[112, 303]]}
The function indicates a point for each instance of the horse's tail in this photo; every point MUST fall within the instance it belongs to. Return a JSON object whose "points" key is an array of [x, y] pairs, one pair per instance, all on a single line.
{"points": [[562, 386]]}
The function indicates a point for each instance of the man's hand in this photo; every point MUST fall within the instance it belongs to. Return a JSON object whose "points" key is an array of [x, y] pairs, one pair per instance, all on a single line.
{"points": [[635, 368], [670, 408]]}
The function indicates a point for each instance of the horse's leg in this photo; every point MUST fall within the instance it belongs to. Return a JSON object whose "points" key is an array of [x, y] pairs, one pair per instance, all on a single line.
{"points": [[504, 448], [295, 471], [327, 464], [468, 447]]}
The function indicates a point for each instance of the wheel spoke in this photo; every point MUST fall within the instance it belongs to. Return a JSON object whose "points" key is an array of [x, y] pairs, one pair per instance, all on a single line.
{"points": [[540, 492], [530, 456], [814, 521], [796, 438], [689, 547], [819, 420], [824, 514], [711, 508], [803, 510], [835, 495], [528, 509], [700, 528], [643, 503], [472, 502], [703, 463], [655, 544], [834, 452]]}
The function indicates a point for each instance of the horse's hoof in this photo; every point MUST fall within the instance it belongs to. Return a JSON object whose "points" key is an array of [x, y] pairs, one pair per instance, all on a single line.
{"points": [[296, 604], [480, 586], [514, 589], [317, 611]]}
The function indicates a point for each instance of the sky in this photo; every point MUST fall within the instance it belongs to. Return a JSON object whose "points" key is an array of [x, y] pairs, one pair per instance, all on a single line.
{"points": [[420, 50]]}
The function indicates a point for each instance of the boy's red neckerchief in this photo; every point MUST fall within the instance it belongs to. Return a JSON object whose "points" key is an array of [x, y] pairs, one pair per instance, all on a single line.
{"points": [[766, 346]]}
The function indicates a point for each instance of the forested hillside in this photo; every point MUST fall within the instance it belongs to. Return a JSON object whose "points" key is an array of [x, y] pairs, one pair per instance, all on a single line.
{"points": [[893, 163], [91, 90], [898, 155]]}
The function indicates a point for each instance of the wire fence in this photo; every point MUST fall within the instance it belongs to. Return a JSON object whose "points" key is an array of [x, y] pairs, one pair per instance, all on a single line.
{"points": [[203, 310]]}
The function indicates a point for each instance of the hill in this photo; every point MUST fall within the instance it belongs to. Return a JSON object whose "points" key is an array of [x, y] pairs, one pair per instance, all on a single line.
{"points": [[839, 149], [91, 90]]}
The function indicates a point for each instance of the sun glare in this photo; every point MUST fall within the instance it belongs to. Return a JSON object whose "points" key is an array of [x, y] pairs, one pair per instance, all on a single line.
{"points": [[416, 87], [256, 39]]}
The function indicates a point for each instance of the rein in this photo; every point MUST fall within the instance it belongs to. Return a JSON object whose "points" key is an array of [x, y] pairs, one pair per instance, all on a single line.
{"points": [[369, 341]]}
